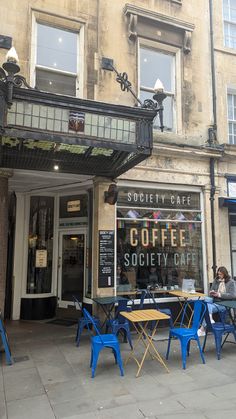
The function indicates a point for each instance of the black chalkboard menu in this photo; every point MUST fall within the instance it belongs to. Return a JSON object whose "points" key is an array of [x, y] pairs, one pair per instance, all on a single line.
{"points": [[106, 259]]}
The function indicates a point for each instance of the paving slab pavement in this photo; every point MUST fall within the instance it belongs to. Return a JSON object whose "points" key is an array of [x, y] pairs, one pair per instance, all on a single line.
{"points": [[51, 379]]}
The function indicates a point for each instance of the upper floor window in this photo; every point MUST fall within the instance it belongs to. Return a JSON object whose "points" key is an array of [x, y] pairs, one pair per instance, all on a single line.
{"points": [[56, 60], [156, 64], [231, 99], [229, 13]]}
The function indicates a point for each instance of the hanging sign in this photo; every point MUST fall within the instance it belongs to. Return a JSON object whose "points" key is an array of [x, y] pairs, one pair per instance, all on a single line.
{"points": [[41, 259], [106, 259], [73, 206]]}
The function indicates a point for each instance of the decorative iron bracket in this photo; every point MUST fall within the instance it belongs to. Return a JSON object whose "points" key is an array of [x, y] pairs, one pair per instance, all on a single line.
{"points": [[125, 85], [12, 80]]}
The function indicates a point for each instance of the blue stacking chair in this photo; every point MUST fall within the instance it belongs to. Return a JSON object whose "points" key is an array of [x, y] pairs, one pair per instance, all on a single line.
{"points": [[185, 335], [219, 329], [83, 323], [101, 341], [119, 323]]}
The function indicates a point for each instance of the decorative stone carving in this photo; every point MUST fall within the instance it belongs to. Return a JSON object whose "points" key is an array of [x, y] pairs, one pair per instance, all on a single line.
{"points": [[187, 42], [132, 28]]}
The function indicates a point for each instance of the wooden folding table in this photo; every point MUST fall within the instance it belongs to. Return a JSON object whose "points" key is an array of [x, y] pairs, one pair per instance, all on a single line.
{"points": [[183, 298], [140, 320]]}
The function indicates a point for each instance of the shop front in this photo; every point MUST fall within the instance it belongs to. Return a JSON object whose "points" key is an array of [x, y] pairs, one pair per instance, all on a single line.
{"points": [[160, 236], [55, 248]]}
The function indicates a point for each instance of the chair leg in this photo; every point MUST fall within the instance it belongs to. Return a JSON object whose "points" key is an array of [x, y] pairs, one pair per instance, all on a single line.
{"points": [[168, 347], [95, 360], [204, 342], [91, 358], [218, 340], [79, 332], [115, 355], [188, 347], [184, 345], [200, 350], [119, 360], [129, 339]]}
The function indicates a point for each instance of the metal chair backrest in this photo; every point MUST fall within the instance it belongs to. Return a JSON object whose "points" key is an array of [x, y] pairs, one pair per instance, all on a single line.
{"points": [[151, 297], [198, 314], [142, 298], [122, 306], [90, 320], [76, 301]]}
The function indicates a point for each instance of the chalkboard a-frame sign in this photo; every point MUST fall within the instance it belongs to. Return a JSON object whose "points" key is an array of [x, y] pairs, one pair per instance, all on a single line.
{"points": [[106, 259]]}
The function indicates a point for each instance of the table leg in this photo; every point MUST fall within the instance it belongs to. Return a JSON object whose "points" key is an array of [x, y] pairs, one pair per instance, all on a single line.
{"points": [[140, 338], [182, 304], [180, 312], [107, 311], [148, 344]]}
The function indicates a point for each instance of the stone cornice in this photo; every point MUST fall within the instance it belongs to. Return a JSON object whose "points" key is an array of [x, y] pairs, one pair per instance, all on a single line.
{"points": [[158, 17]]}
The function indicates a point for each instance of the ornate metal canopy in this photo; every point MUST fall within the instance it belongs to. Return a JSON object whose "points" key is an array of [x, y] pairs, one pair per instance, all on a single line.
{"points": [[82, 136]]}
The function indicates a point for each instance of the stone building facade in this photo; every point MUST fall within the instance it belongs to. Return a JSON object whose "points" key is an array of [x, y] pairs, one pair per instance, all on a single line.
{"points": [[173, 217]]}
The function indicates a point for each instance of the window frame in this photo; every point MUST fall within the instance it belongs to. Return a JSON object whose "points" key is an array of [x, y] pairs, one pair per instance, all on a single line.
{"points": [[188, 188], [66, 25], [177, 70], [229, 23], [231, 92]]}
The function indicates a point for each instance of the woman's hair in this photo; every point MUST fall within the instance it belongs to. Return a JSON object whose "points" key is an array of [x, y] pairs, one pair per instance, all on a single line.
{"points": [[224, 271]]}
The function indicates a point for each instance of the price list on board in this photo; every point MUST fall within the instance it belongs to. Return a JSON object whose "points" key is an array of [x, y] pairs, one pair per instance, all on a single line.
{"points": [[106, 259]]}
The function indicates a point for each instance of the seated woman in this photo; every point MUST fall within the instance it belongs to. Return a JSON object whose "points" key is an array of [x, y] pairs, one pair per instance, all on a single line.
{"points": [[223, 288]]}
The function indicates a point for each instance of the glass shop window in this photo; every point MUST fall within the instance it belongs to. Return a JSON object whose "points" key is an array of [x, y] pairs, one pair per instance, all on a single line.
{"points": [[56, 60], [159, 239], [40, 245]]}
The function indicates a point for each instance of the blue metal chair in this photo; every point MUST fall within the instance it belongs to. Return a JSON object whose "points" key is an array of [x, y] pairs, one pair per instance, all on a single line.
{"points": [[119, 323], [185, 335], [219, 329], [82, 322], [101, 341]]}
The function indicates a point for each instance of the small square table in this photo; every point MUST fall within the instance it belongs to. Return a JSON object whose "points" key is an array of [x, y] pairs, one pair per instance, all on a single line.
{"points": [[140, 320], [107, 304], [183, 298]]}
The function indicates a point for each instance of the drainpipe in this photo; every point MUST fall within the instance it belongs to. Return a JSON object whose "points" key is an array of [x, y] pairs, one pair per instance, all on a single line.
{"points": [[212, 138]]}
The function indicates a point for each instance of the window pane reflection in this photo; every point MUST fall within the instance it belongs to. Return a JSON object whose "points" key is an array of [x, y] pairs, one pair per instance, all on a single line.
{"points": [[40, 246]]}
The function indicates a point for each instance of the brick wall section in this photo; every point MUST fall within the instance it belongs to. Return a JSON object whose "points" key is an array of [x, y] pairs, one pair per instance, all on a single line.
{"points": [[3, 237]]}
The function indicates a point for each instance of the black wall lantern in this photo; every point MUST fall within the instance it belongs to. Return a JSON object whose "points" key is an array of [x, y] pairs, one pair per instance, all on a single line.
{"points": [[9, 76], [111, 195]]}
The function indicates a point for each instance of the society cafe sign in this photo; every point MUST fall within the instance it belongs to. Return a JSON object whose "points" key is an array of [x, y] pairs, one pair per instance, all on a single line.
{"points": [[144, 241], [158, 198]]}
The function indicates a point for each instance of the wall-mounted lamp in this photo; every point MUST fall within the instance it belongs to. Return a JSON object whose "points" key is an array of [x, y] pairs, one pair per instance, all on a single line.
{"points": [[111, 195], [159, 95], [8, 74]]}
